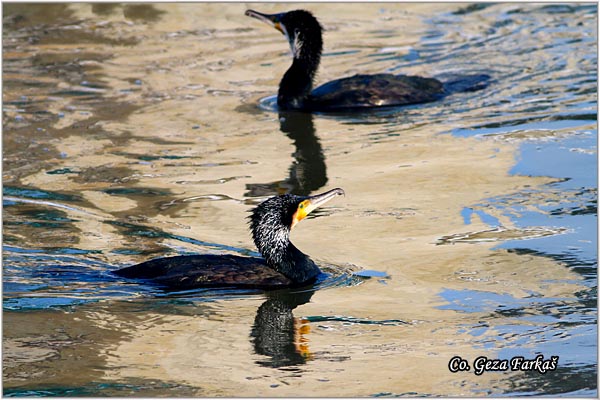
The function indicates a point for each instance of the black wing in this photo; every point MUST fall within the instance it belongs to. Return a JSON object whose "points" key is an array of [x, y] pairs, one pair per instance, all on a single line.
{"points": [[207, 270], [375, 91]]}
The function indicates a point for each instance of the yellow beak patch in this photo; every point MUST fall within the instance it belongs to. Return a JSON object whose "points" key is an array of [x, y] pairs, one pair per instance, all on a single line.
{"points": [[312, 203], [301, 212]]}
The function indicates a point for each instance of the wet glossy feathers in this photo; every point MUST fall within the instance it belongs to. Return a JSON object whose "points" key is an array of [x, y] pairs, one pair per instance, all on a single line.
{"points": [[375, 91], [207, 270]]}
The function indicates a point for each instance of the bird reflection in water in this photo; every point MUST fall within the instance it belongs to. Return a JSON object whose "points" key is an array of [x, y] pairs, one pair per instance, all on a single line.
{"points": [[308, 172], [277, 334]]}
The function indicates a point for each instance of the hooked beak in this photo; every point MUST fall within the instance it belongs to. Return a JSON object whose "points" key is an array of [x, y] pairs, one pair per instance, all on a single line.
{"points": [[312, 203], [272, 19]]}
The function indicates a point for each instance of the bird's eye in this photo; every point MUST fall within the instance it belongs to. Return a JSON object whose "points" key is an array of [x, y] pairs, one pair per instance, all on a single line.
{"points": [[301, 205]]}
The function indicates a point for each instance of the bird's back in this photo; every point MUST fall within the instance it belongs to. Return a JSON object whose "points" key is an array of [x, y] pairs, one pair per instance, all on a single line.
{"points": [[207, 270], [378, 90]]}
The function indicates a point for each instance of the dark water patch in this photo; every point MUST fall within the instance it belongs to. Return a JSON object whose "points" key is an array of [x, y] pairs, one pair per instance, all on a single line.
{"points": [[40, 303], [38, 194], [43, 215], [23, 101], [59, 63], [471, 8], [129, 252], [149, 157], [106, 173], [213, 164], [590, 209], [528, 127], [62, 171], [42, 255], [19, 15], [94, 85], [161, 142], [85, 34], [153, 158], [142, 12], [137, 191], [79, 93], [54, 251], [133, 388], [576, 372], [36, 224], [347, 320], [586, 267], [139, 230], [571, 381], [403, 394], [563, 9]]}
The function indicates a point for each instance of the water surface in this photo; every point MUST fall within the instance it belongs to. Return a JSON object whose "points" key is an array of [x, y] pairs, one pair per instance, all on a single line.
{"points": [[133, 131]]}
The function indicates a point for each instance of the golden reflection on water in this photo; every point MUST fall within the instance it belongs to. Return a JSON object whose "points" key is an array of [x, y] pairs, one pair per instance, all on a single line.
{"points": [[174, 114]]}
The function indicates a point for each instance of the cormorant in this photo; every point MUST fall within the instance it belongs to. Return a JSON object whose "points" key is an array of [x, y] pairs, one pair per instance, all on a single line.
{"points": [[283, 264], [304, 34]]}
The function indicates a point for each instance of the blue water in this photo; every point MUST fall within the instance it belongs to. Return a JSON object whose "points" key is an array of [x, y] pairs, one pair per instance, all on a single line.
{"points": [[560, 326]]}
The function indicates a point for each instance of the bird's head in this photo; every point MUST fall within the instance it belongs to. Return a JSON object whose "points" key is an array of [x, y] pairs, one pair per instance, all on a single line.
{"points": [[300, 27], [272, 220]]}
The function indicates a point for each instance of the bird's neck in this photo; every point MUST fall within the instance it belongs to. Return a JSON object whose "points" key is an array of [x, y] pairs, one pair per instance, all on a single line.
{"points": [[297, 82], [285, 258], [296, 265]]}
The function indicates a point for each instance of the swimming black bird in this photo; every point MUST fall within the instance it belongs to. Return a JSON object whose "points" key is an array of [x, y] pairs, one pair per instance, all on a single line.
{"points": [[304, 34], [283, 264]]}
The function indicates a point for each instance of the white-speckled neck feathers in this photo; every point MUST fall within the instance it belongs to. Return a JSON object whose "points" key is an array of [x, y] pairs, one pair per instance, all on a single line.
{"points": [[271, 222]]}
